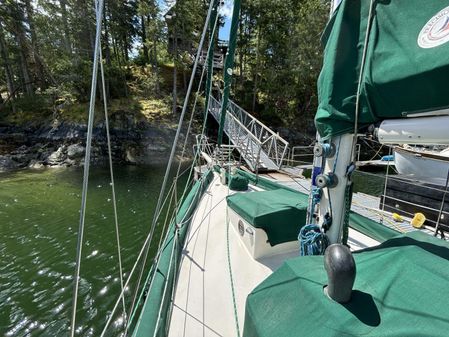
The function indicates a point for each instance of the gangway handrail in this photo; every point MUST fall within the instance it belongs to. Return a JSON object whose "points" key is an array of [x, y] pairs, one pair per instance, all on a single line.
{"points": [[255, 120], [268, 145]]}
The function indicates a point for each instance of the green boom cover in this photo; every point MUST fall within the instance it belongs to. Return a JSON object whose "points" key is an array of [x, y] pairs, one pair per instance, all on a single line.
{"points": [[406, 69]]}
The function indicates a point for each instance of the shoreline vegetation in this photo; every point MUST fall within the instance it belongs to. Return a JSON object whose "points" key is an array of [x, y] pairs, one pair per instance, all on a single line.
{"points": [[46, 52]]}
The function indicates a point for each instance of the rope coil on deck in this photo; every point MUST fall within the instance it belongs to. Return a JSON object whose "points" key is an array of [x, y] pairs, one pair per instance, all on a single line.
{"points": [[312, 240]]}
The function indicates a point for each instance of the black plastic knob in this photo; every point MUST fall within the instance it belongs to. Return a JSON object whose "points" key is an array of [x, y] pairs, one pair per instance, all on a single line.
{"points": [[341, 271]]}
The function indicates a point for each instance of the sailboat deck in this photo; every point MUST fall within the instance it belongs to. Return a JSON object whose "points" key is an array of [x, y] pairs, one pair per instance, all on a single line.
{"points": [[203, 302], [363, 204]]}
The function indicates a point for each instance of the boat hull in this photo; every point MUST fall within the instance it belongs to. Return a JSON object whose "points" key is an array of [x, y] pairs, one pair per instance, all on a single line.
{"points": [[423, 166]]}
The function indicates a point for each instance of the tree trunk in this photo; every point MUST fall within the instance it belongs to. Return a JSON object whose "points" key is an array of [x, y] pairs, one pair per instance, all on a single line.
{"points": [[256, 75], [175, 73], [27, 83], [42, 69], [5, 60], [67, 44], [144, 40], [155, 65], [125, 48], [107, 49], [184, 48], [241, 52], [19, 34]]}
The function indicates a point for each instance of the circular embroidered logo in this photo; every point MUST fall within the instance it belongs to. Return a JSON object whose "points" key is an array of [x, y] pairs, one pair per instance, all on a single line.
{"points": [[436, 30]]}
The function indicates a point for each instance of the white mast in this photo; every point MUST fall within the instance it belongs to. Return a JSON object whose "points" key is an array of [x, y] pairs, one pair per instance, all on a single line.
{"points": [[333, 182]]}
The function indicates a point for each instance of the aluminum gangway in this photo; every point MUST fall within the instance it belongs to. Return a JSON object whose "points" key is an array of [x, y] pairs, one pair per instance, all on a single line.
{"points": [[259, 146]]}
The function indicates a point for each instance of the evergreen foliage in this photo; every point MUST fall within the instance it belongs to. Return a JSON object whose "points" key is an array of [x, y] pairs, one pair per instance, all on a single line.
{"points": [[46, 52]]}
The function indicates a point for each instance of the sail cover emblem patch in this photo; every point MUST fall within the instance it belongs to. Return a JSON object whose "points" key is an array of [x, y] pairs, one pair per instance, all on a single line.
{"points": [[436, 30]]}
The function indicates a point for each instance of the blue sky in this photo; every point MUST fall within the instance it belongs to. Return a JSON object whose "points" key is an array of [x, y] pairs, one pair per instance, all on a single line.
{"points": [[225, 12]]}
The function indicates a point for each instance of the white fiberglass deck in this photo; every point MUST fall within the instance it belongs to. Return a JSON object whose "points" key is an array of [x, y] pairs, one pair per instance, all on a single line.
{"points": [[203, 302]]}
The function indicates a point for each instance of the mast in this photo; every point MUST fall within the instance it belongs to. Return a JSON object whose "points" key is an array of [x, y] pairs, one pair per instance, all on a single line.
{"points": [[402, 96], [228, 69], [331, 190]]}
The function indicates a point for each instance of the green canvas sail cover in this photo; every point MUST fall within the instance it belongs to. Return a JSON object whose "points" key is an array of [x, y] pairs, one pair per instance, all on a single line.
{"points": [[406, 69]]}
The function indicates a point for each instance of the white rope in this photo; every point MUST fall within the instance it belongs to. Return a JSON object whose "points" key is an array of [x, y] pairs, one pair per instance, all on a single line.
{"points": [[86, 166], [111, 169]]}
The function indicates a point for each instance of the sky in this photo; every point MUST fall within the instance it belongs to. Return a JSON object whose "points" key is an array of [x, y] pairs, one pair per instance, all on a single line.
{"points": [[225, 12]]}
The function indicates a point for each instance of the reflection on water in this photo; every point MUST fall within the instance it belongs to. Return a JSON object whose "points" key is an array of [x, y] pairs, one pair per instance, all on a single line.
{"points": [[39, 215]]}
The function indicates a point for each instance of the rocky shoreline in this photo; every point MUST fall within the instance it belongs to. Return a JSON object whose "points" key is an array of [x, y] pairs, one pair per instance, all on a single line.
{"points": [[63, 144]]}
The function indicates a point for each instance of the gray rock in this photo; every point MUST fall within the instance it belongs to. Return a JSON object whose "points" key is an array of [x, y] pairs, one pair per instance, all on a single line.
{"points": [[35, 164], [57, 157], [132, 155], [75, 151], [157, 147], [6, 163], [69, 162]]}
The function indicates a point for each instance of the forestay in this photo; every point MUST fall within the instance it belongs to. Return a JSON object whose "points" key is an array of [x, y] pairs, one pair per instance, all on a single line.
{"points": [[406, 67]]}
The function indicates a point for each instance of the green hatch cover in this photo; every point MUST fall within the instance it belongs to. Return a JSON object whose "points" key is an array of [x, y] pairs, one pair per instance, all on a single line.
{"points": [[280, 213], [407, 63], [399, 291]]}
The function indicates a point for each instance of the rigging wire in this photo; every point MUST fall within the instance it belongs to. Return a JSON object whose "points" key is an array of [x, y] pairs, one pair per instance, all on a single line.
{"points": [[86, 165], [189, 180], [172, 153], [359, 84], [157, 259], [385, 187], [149, 237], [203, 129], [145, 248], [111, 170]]}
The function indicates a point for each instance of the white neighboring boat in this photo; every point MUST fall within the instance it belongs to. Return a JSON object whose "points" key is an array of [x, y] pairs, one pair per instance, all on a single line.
{"points": [[422, 164]]}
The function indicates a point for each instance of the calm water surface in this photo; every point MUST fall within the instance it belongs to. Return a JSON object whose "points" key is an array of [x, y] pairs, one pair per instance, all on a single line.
{"points": [[39, 216]]}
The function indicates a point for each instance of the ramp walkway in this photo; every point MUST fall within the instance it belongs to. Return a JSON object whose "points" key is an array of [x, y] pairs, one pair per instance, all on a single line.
{"points": [[260, 147]]}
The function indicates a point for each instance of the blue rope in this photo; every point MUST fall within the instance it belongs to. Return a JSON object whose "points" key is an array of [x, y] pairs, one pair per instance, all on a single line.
{"points": [[312, 241]]}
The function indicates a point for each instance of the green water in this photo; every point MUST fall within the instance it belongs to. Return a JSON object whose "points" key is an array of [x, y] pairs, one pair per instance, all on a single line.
{"points": [[39, 216]]}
